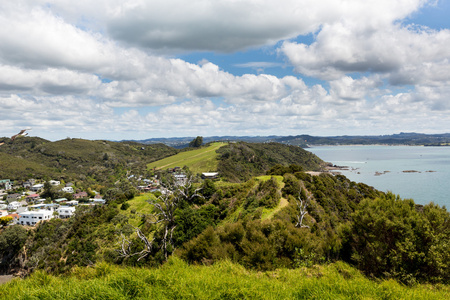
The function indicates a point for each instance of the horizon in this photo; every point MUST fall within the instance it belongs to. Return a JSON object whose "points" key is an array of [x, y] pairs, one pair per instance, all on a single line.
{"points": [[136, 70], [236, 136]]}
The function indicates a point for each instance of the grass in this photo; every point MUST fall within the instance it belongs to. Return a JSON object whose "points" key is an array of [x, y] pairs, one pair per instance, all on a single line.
{"points": [[140, 206], [224, 280], [198, 161]]}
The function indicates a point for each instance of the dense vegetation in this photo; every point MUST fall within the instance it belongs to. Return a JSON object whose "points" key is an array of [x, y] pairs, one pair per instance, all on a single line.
{"points": [[86, 161], [241, 161], [287, 219], [224, 280]]}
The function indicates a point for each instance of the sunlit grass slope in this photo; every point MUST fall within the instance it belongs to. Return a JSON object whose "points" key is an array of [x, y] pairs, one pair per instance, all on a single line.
{"points": [[224, 280], [198, 161]]}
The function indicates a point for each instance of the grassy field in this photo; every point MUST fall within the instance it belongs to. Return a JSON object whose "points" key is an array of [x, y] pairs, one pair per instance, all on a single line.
{"points": [[224, 280], [198, 161]]}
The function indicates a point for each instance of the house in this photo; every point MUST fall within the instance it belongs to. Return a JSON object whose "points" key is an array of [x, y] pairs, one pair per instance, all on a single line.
{"points": [[54, 182], [31, 218], [3, 213], [3, 206], [210, 175], [67, 189], [13, 205], [6, 184], [180, 179], [13, 197], [99, 201], [80, 195], [65, 212], [37, 187], [61, 200], [21, 209], [72, 203], [15, 218], [32, 197]]}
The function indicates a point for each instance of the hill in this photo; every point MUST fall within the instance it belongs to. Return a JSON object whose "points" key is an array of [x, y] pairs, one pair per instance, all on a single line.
{"points": [[442, 139], [76, 159], [197, 160], [241, 161]]}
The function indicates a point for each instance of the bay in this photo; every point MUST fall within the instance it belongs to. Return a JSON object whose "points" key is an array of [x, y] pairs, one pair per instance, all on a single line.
{"points": [[412, 172]]}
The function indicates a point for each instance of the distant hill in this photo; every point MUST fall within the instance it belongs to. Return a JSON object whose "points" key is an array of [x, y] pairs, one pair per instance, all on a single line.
{"points": [[305, 140], [75, 159]]}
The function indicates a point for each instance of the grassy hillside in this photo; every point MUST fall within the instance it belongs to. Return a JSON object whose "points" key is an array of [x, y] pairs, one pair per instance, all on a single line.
{"points": [[224, 280], [198, 160], [241, 161], [76, 159]]}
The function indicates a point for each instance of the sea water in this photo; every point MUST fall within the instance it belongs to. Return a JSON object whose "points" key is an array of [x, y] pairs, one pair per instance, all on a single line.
{"points": [[412, 172]]}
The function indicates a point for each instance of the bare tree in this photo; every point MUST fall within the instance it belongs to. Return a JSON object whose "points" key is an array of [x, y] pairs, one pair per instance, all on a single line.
{"points": [[174, 192], [125, 245], [302, 205]]}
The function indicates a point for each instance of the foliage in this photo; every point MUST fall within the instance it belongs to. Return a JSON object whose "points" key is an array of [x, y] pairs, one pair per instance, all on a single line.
{"points": [[12, 240], [77, 159], [197, 142], [390, 237], [223, 280], [241, 161], [5, 221]]}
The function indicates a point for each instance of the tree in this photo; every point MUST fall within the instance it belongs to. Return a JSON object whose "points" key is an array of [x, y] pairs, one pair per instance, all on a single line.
{"points": [[5, 221], [173, 196], [197, 142], [302, 205]]}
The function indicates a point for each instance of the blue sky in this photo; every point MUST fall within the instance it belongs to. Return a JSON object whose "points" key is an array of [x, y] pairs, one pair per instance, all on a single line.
{"points": [[136, 69]]}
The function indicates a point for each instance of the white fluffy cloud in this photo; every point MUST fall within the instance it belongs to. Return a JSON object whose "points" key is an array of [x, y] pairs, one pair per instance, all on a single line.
{"points": [[108, 69]]}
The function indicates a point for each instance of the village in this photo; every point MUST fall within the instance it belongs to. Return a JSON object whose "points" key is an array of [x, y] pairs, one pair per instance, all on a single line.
{"points": [[28, 207]]}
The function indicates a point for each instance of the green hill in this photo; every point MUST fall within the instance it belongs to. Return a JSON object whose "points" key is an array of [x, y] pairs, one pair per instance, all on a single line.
{"points": [[198, 160], [76, 159], [241, 161]]}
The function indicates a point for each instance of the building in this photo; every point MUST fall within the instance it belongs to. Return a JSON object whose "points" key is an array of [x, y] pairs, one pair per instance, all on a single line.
{"points": [[210, 175], [32, 197], [54, 182], [14, 205], [65, 212], [13, 197], [80, 195], [6, 184], [31, 218], [67, 189], [37, 187]]}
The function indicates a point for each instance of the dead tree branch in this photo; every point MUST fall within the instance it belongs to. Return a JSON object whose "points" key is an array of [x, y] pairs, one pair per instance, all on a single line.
{"points": [[302, 205]]}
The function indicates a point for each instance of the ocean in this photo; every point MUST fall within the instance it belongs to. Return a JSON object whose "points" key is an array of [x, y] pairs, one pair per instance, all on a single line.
{"points": [[412, 172]]}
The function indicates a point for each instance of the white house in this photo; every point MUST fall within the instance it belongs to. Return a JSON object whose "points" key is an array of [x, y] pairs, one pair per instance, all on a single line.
{"points": [[37, 187], [31, 218], [65, 212], [14, 205], [55, 182], [67, 189], [3, 213]]}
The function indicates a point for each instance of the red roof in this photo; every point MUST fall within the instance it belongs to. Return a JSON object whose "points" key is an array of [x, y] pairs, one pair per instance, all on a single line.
{"points": [[33, 196]]}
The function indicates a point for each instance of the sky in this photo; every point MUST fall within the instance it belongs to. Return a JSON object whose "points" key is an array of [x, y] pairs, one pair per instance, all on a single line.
{"points": [[138, 69]]}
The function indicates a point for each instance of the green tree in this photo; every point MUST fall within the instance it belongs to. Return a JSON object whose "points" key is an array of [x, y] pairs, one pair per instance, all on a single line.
{"points": [[197, 142], [5, 221]]}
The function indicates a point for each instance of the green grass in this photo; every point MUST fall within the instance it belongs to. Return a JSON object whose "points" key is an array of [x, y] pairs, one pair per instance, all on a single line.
{"points": [[140, 206], [198, 161], [224, 280]]}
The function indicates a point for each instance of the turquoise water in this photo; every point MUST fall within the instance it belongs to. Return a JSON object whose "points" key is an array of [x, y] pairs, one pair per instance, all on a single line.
{"points": [[382, 167]]}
